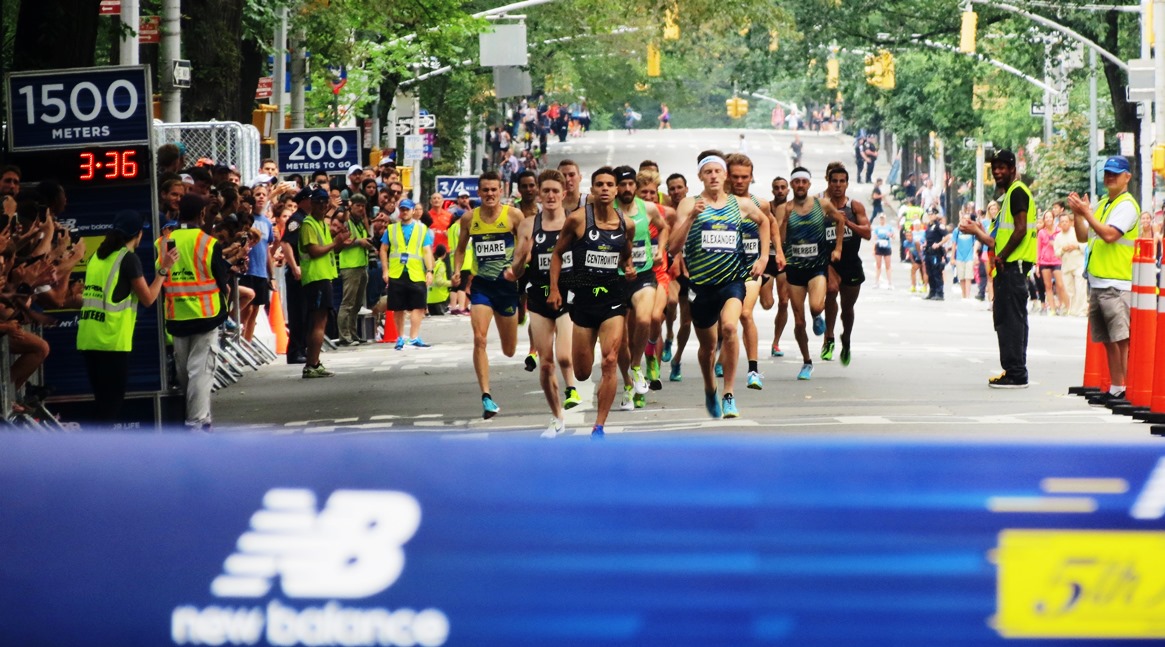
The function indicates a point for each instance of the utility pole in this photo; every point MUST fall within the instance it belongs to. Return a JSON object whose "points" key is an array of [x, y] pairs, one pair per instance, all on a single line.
{"points": [[980, 179], [171, 50], [1159, 64], [417, 131], [131, 17], [1145, 163], [298, 77], [1093, 126], [278, 85]]}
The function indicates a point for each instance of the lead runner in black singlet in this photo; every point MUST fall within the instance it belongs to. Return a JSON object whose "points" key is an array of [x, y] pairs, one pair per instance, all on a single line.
{"points": [[846, 275]]}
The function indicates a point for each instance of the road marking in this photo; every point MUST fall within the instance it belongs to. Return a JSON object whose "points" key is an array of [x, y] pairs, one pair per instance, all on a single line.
{"points": [[1052, 505], [974, 360], [863, 420], [1069, 485]]}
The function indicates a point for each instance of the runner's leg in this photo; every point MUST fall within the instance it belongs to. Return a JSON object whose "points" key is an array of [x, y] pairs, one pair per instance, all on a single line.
{"points": [[479, 318], [582, 350], [797, 304], [610, 335], [542, 330], [730, 343]]}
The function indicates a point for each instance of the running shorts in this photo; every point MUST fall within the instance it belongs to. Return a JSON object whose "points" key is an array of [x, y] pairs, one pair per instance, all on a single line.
{"points": [[592, 306], [499, 294], [850, 271], [710, 300], [536, 301], [800, 276]]}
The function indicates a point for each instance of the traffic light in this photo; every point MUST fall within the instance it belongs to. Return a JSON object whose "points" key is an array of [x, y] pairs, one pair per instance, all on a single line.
{"points": [[832, 73], [1159, 160], [874, 70], [774, 40], [737, 107], [880, 70], [967, 35], [671, 25], [653, 60]]}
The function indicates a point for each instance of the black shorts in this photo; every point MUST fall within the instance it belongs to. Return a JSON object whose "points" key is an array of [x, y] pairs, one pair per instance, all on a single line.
{"points": [[317, 295], [883, 251], [404, 295], [710, 300], [643, 280], [592, 306], [261, 287], [850, 271], [771, 269], [465, 274], [800, 276], [536, 301]]}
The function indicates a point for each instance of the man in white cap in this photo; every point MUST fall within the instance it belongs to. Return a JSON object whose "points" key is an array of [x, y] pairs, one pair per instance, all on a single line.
{"points": [[355, 177]]}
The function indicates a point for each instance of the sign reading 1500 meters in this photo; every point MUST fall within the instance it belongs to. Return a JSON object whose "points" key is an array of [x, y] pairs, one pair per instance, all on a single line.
{"points": [[77, 108], [332, 150]]}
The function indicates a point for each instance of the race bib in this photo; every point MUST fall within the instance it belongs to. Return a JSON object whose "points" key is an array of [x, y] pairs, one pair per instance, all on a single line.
{"points": [[752, 246], [831, 234], [602, 260], [719, 242], [883, 244], [639, 254], [567, 261], [544, 262], [489, 249], [808, 250]]}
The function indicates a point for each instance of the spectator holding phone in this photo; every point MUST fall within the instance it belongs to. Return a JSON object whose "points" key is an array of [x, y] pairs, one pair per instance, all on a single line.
{"points": [[114, 286]]}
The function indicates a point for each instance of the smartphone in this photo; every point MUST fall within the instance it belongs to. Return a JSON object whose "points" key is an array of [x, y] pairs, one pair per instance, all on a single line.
{"points": [[170, 245]]}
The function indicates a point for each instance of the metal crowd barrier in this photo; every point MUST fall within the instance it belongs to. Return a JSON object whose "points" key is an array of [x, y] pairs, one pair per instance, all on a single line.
{"points": [[225, 142]]}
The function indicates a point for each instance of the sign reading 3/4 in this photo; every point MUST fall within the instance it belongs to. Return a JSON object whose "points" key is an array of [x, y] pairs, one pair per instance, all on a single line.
{"points": [[329, 149], [78, 107]]}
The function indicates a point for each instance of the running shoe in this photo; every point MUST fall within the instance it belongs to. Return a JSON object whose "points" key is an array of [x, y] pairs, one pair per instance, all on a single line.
{"points": [[676, 374], [531, 362], [597, 431], [626, 403], [400, 343], [1005, 381], [806, 372], [755, 381], [845, 356], [729, 407], [317, 371], [712, 403], [555, 429], [819, 325], [417, 342], [776, 351], [639, 400], [653, 374], [489, 408], [667, 350], [637, 380], [827, 350], [719, 369], [572, 398]]}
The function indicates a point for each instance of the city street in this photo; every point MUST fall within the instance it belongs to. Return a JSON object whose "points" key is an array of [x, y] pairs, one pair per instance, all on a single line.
{"points": [[919, 368]]}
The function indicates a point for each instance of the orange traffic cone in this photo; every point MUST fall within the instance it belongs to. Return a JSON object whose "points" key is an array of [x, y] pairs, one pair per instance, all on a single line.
{"points": [[278, 325], [390, 332], [1142, 331], [1096, 377], [1156, 413]]}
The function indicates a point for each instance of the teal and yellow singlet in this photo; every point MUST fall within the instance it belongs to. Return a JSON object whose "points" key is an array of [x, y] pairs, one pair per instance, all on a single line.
{"points": [[713, 249], [805, 242]]}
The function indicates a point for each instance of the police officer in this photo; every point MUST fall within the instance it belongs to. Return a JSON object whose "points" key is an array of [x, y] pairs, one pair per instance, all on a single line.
{"points": [[935, 253], [296, 316], [114, 285], [196, 290]]}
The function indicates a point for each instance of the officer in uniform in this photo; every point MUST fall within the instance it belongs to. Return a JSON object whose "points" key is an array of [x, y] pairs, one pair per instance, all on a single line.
{"points": [[935, 253], [296, 316]]}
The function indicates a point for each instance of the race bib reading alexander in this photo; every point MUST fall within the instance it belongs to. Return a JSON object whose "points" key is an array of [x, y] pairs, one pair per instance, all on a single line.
{"points": [[808, 250], [602, 260], [487, 249], [718, 242]]}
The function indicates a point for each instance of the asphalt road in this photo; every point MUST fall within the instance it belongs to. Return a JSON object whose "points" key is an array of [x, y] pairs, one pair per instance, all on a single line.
{"points": [[919, 368]]}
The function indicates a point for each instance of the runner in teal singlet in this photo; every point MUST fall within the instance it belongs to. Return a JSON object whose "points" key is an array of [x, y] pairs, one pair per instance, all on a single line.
{"points": [[708, 231], [803, 223]]}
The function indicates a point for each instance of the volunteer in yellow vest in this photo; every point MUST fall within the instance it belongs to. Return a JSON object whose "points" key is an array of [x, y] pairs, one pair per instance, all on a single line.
{"points": [[1109, 267], [317, 263], [491, 230], [114, 286], [1012, 239], [354, 269], [438, 299], [195, 307], [406, 254]]}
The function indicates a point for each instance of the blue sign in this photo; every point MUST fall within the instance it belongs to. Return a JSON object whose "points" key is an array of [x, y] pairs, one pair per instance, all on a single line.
{"points": [[262, 540], [333, 150], [55, 109], [450, 185]]}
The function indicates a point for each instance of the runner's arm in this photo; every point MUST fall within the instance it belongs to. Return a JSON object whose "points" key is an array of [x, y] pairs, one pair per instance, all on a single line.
{"points": [[566, 239], [861, 226], [757, 215], [679, 233], [629, 270], [664, 229], [521, 250], [462, 241], [839, 222]]}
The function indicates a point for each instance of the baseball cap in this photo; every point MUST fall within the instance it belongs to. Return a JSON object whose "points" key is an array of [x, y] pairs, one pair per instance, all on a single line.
{"points": [[388, 161], [407, 204], [1117, 164], [623, 173], [463, 194], [1004, 157], [127, 222], [355, 168], [303, 194], [319, 195]]}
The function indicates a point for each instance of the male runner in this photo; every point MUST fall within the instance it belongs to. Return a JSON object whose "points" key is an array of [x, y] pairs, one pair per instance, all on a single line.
{"points": [[740, 180], [648, 183], [572, 199], [597, 239], [677, 296], [527, 182], [802, 224], [780, 197], [549, 329], [640, 292], [846, 275], [491, 229], [708, 229]]}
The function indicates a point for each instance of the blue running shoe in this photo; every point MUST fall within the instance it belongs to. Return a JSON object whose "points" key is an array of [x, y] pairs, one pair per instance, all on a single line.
{"points": [[729, 407], [819, 325], [667, 350], [712, 403], [597, 431], [806, 372], [417, 342], [400, 343], [755, 381], [676, 374], [777, 352], [719, 369], [489, 408]]}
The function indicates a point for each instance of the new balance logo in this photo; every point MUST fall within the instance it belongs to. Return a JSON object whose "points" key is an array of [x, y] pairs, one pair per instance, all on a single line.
{"points": [[352, 548]]}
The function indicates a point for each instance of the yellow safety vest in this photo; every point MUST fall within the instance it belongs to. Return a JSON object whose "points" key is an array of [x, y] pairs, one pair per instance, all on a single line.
{"points": [[316, 269], [409, 255], [105, 324], [354, 256], [1005, 226], [1113, 260], [191, 291]]}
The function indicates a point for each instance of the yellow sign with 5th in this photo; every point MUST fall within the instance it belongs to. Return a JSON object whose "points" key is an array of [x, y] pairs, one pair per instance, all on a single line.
{"points": [[1080, 584]]}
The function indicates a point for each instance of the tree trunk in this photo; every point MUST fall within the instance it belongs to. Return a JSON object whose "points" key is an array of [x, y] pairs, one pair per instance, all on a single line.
{"points": [[57, 34], [211, 38], [254, 56], [1124, 112]]}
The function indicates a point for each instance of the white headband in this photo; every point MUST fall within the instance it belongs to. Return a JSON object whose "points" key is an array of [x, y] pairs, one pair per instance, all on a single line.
{"points": [[800, 175], [713, 159]]}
